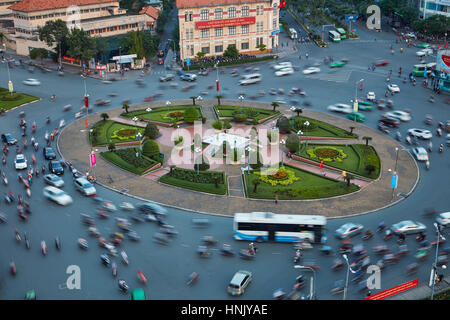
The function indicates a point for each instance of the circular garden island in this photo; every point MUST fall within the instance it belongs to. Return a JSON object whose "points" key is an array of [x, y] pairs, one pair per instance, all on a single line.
{"points": [[285, 158]]}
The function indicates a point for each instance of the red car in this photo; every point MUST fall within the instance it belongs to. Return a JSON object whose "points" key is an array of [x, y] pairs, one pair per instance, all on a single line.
{"points": [[381, 63], [160, 61]]}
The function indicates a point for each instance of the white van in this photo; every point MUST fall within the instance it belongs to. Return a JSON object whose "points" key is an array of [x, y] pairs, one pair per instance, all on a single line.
{"points": [[250, 79]]}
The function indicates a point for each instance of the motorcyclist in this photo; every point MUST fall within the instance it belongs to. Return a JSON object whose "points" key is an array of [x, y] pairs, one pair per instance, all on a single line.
{"points": [[421, 236], [430, 146], [368, 234], [427, 164], [381, 226], [441, 147], [398, 135], [388, 234], [439, 132], [401, 237], [298, 253]]}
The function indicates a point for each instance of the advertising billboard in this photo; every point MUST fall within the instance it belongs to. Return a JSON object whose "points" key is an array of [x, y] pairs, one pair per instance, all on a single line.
{"points": [[224, 23]]}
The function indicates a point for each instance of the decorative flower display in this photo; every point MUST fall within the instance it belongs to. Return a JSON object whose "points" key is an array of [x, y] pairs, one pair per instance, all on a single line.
{"points": [[281, 176], [327, 154]]}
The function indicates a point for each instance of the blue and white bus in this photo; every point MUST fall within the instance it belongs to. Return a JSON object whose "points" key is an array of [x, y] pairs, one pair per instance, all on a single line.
{"points": [[267, 226], [334, 36]]}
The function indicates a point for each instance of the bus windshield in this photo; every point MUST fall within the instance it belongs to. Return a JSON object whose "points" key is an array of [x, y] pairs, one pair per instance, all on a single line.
{"points": [[334, 36], [341, 32], [267, 226]]}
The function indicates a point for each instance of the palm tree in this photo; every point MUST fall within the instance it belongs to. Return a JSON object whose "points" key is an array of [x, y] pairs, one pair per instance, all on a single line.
{"points": [[104, 116], [367, 139], [275, 105], [298, 110], [125, 106], [193, 100], [218, 99], [351, 130]]}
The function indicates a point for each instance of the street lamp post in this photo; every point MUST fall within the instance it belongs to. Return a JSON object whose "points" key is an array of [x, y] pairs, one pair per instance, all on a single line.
{"points": [[299, 133], [306, 132], [197, 150], [355, 103], [312, 292], [346, 278], [434, 269], [241, 98], [282, 142], [168, 103]]}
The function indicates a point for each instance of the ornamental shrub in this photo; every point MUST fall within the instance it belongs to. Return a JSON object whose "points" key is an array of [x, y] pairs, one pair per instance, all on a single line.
{"points": [[150, 148], [292, 142], [283, 125], [227, 124], [217, 125], [191, 114], [202, 164], [151, 131], [240, 117]]}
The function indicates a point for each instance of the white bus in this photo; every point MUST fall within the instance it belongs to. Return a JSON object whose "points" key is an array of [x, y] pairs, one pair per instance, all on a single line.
{"points": [[293, 33], [334, 36], [267, 226]]}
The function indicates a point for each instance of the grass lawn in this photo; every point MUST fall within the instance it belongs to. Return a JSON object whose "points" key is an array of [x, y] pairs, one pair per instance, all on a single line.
{"points": [[309, 186], [123, 158], [253, 113], [354, 162], [22, 98], [160, 114], [109, 130], [319, 128], [183, 181]]}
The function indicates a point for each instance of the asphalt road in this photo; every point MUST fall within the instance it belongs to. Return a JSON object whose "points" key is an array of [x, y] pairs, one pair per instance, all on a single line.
{"points": [[167, 267]]}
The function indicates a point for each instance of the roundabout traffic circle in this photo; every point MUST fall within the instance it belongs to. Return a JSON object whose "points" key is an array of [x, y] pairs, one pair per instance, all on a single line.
{"points": [[368, 194]]}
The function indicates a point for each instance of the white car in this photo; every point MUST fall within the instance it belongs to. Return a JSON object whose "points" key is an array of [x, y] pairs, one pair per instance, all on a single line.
{"points": [[408, 226], [340, 107], [349, 230], [57, 195], [53, 180], [444, 219], [371, 96], [420, 133], [20, 162], [32, 82], [400, 115], [284, 71], [393, 87], [420, 153], [84, 186], [282, 65], [424, 52], [311, 70]]}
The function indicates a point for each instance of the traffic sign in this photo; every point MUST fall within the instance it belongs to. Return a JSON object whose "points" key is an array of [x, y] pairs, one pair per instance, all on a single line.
{"points": [[188, 61], [351, 17]]}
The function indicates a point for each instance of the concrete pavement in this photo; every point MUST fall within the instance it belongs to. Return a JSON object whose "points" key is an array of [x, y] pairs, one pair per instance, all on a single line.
{"points": [[376, 195]]}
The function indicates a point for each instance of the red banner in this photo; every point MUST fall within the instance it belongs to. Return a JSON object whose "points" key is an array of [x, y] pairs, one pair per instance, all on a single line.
{"points": [[224, 23], [70, 59], [446, 60], [394, 290]]}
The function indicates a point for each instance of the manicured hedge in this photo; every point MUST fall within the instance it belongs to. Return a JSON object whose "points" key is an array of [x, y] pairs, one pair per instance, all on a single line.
{"points": [[124, 158], [204, 182]]}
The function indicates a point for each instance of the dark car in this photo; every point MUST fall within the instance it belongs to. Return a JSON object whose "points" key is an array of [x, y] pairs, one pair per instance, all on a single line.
{"points": [[49, 154], [160, 54], [382, 127], [389, 121], [8, 139], [166, 77], [55, 167]]}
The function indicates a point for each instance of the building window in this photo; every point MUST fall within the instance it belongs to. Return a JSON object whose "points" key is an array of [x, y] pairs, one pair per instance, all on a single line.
{"points": [[259, 41], [192, 50], [44, 16], [91, 10], [274, 23], [244, 11], [245, 29], [111, 29], [244, 46], [259, 10], [259, 26], [275, 7], [232, 12], [204, 14], [187, 34], [218, 32], [218, 14], [232, 30], [186, 16], [205, 33], [205, 50], [218, 49]]}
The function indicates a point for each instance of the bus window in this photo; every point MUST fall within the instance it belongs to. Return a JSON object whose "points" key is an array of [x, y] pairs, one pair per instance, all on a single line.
{"points": [[334, 36], [341, 32]]}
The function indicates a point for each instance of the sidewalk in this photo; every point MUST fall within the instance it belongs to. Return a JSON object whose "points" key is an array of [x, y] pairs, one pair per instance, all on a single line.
{"points": [[375, 195]]}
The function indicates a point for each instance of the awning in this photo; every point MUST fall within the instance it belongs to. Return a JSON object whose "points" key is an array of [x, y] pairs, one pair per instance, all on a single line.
{"points": [[124, 60]]}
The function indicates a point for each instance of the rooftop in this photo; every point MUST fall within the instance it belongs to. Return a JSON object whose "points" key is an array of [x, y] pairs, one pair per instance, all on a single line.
{"points": [[40, 5], [211, 3], [150, 11]]}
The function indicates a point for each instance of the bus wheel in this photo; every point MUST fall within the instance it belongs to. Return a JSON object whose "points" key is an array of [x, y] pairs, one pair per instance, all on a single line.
{"points": [[259, 239]]}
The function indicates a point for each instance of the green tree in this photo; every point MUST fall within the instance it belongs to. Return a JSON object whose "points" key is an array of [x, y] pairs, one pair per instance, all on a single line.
{"points": [[150, 148], [150, 44], [367, 139], [53, 34], [217, 125], [292, 142], [40, 53], [283, 124], [125, 106], [81, 45], [262, 47], [348, 178], [240, 117], [104, 116], [191, 114], [218, 97], [200, 54], [136, 42], [151, 131], [351, 130], [231, 52], [101, 46]]}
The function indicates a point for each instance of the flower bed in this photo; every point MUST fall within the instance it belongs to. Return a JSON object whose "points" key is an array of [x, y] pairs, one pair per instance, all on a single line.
{"points": [[161, 115], [327, 153], [126, 159], [205, 181], [275, 177]]}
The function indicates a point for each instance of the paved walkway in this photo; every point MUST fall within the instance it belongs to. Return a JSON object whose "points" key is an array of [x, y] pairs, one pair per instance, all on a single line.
{"points": [[423, 291], [374, 196]]}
